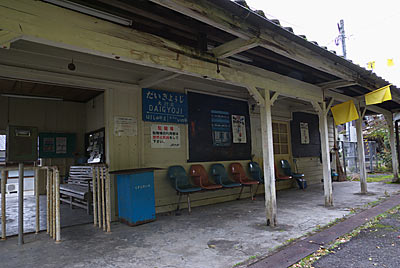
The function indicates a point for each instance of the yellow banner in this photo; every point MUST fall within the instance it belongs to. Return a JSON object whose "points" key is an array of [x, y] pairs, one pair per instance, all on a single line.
{"points": [[344, 112], [378, 96], [390, 62]]}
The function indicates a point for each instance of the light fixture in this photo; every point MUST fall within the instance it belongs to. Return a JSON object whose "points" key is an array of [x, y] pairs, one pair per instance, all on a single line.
{"points": [[31, 97], [90, 11]]}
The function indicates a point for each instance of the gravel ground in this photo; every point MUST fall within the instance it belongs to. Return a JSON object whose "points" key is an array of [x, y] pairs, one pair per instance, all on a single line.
{"points": [[378, 246]]}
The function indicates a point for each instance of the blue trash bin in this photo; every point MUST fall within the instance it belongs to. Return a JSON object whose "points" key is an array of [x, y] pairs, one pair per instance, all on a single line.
{"points": [[136, 203]]}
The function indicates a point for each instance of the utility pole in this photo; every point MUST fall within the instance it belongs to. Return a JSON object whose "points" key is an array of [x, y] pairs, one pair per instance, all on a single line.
{"points": [[342, 37]]}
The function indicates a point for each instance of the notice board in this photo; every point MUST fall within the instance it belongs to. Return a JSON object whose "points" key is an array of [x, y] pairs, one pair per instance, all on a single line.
{"points": [[57, 145], [210, 128], [305, 135]]}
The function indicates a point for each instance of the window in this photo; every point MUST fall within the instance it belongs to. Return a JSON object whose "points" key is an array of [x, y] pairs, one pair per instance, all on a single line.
{"points": [[280, 136]]}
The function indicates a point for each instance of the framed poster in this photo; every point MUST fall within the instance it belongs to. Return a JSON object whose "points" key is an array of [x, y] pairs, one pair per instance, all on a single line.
{"points": [[239, 129], [304, 133], [165, 136], [57, 145], [164, 106], [221, 128]]}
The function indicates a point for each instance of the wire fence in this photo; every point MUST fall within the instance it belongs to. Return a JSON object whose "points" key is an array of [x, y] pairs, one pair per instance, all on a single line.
{"points": [[349, 156]]}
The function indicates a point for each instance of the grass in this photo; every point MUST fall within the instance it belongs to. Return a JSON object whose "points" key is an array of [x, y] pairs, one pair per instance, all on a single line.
{"points": [[380, 178]]}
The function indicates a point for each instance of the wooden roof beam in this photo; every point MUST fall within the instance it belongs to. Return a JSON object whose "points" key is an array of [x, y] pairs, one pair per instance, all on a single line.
{"points": [[234, 47], [336, 84], [157, 78]]}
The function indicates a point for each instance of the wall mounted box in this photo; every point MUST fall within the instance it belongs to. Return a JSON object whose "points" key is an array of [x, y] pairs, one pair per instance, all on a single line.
{"points": [[21, 144]]}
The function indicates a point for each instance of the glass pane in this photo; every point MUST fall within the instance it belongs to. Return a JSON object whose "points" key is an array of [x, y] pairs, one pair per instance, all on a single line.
{"points": [[276, 149], [283, 138], [283, 128], [275, 127], [276, 138], [284, 149]]}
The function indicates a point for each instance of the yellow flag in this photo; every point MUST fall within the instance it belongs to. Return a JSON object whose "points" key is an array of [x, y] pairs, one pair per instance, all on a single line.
{"points": [[371, 65], [344, 112], [390, 62], [378, 96]]}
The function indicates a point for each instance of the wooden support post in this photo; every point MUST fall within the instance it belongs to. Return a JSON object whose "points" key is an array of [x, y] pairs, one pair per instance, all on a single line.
{"points": [[3, 205], [361, 152], [94, 185], [395, 161], [37, 200], [326, 164], [268, 160]]}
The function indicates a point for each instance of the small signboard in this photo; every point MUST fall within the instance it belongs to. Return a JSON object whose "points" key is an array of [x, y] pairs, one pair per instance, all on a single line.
{"points": [[221, 128], [125, 126], [164, 106], [57, 145], [239, 129], [165, 136]]}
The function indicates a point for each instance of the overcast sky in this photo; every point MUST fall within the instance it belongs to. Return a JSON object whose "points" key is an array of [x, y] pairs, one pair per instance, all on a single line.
{"points": [[372, 28]]}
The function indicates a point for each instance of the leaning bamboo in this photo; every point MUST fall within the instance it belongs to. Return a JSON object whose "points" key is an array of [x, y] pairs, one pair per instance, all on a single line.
{"points": [[37, 200], [98, 197], [54, 206], [57, 200], [94, 196], [48, 200], [3, 204], [103, 198], [108, 201]]}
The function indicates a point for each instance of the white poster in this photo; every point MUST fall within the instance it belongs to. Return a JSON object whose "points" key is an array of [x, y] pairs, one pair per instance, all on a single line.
{"points": [[61, 145], [239, 129], [304, 133], [165, 136], [125, 126]]}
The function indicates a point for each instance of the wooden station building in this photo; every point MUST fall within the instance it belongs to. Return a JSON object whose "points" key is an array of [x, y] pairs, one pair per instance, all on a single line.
{"points": [[141, 71]]}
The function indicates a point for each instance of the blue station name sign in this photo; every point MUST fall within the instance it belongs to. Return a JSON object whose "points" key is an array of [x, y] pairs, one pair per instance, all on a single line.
{"points": [[164, 106]]}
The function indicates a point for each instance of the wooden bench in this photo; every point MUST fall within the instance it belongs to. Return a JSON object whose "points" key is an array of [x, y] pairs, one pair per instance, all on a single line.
{"points": [[76, 195]]}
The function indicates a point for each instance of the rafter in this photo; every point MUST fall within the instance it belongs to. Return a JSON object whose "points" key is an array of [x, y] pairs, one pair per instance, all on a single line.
{"points": [[234, 47]]}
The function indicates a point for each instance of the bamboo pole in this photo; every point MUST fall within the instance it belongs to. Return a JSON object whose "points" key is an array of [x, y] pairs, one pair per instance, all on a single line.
{"points": [[98, 197], [103, 198], [37, 200], [3, 204], [54, 205], [94, 190], [57, 200], [48, 200], [108, 201]]}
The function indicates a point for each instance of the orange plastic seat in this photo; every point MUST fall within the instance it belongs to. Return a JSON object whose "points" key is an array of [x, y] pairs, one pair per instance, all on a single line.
{"points": [[280, 176], [239, 175], [200, 178]]}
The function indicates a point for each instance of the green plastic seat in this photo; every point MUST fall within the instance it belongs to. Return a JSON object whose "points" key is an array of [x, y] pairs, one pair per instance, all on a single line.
{"points": [[288, 171], [220, 176], [256, 172], [180, 180]]}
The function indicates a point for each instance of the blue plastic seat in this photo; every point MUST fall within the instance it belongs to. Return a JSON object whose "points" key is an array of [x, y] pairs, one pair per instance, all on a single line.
{"points": [[181, 183], [302, 183], [220, 176], [256, 172]]}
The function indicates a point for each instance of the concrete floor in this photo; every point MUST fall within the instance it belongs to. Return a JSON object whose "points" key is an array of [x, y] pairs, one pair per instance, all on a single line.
{"points": [[219, 235], [69, 217]]}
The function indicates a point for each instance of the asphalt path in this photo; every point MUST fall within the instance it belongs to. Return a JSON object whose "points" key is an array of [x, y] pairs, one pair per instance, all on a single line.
{"points": [[378, 246]]}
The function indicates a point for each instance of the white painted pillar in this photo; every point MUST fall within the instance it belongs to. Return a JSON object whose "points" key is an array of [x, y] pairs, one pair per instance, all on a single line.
{"points": [[326, 164], [268, 160], [361, 152], [395, 161]]}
